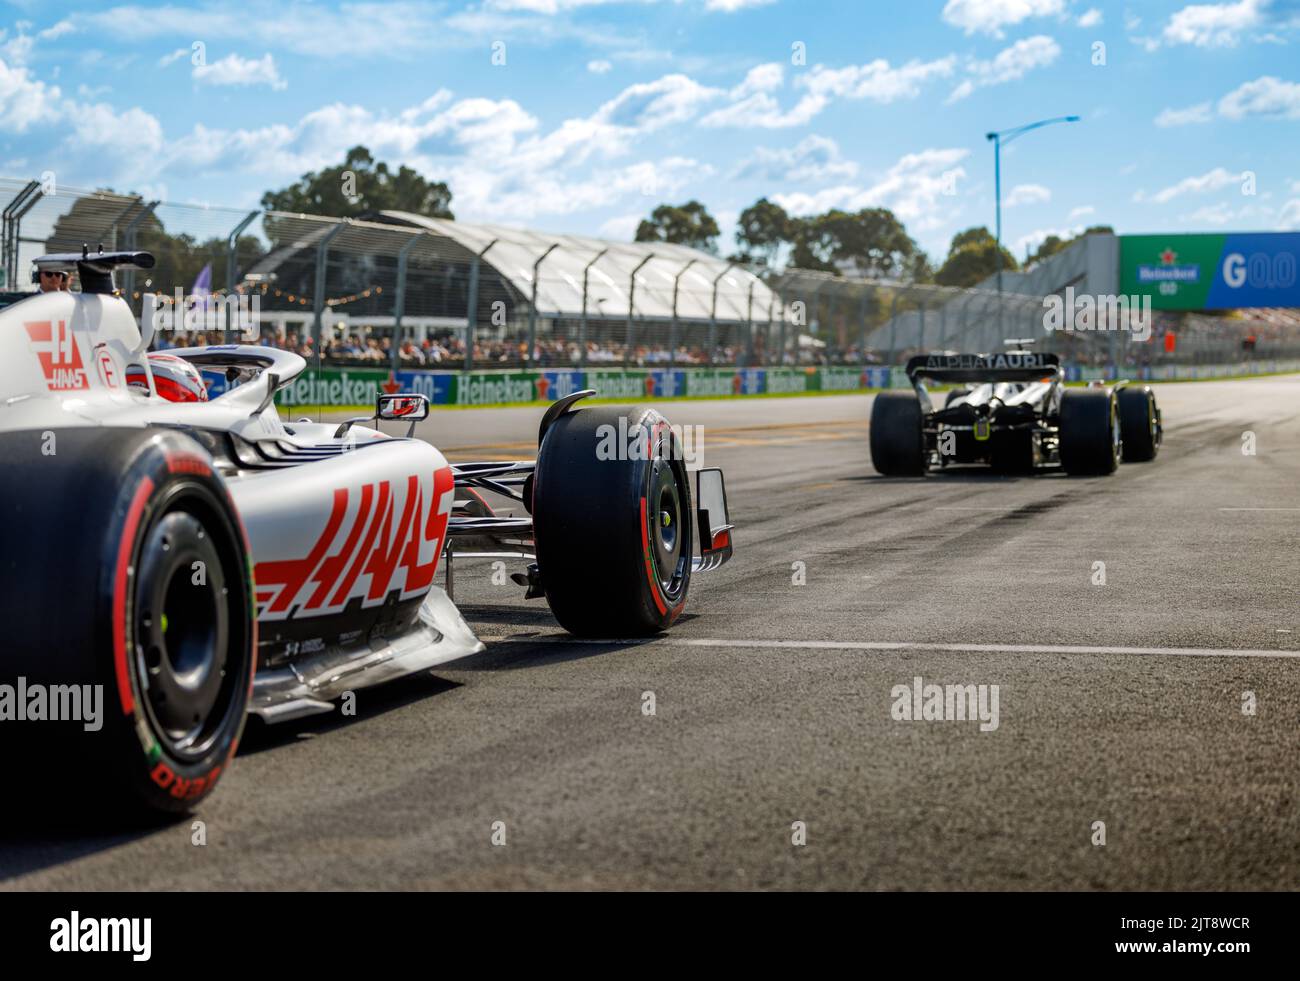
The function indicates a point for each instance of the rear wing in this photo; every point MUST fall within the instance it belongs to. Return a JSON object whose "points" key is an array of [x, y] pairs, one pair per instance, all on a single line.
{"points": [[1006, 366], [95, 269]]}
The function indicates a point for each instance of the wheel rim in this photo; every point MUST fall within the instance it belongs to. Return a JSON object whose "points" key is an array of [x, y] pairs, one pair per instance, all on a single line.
{"points": [[668, 520], [1116, 434], [187, 619]]}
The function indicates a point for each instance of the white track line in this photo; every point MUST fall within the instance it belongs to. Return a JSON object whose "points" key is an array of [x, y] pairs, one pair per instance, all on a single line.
{"points": [[878, 645], [1259, 509]]}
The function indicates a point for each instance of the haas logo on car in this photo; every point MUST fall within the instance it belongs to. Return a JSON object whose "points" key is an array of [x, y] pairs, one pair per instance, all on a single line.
{"points": [[60, 357], [379, 537]]}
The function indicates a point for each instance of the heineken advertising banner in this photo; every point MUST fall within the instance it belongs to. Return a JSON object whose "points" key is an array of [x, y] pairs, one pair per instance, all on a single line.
{"points": [[337, 387], [1211, 272]]}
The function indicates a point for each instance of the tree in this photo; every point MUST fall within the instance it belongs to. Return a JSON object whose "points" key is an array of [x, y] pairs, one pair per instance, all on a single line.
{"points": [[684, 224], [763, 228], [972, 258], [1053, 244], [872, 242], [360, 185]]}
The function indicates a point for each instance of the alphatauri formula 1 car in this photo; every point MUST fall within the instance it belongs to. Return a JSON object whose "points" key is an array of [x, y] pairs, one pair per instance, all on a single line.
{"points": [[1010, 411], [199, 560]]}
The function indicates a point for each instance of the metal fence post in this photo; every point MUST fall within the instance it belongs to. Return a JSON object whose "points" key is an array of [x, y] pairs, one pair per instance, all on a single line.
{"points": [[862, 325], [471, 306], [318, 291], [672, 330], [893, 325], [749, 318], [713, 313], [780, 344], [22, 203], [232, 250], [582, 337], [399, 302], [920, 333], [631, 300], [128, 236], [532, 305], [809, 312], [767, 342]]}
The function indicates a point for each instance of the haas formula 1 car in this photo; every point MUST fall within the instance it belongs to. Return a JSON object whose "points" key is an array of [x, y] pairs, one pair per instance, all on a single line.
{"points": [[197, 560], [1012, 412]]}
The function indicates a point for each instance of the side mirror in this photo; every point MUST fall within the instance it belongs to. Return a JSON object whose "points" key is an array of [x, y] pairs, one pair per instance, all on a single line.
{"points": [[714, 524], [403, 408]]}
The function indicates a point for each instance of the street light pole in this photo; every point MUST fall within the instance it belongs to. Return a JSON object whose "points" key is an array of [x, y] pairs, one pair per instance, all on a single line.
{"points": [[999, 139]]}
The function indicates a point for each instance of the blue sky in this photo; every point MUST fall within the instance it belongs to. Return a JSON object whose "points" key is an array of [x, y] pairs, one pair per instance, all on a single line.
{"points": [[603, 109]]}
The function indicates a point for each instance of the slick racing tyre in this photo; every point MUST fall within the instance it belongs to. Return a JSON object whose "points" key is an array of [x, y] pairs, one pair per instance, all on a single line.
{"points": [[1139, 422], [897, 442], [612, 521], [125, 573], [1090, 432]]}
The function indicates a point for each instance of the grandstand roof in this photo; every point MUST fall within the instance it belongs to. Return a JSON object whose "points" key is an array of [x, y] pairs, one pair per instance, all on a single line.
{"points": [[514, 251]]}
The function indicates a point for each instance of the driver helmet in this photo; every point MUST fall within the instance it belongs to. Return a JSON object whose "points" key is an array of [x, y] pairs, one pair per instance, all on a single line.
{"points": [[175, 378]]}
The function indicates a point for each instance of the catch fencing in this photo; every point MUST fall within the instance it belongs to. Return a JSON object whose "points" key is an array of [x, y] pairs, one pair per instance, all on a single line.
{"points": [[374, 294]]}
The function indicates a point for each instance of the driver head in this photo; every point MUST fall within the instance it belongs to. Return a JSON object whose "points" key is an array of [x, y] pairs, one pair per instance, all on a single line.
{"points": [[175, 378]]}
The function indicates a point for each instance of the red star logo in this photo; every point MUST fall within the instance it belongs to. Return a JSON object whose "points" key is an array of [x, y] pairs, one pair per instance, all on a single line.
{"points": [[1168, 257], [392, 386]]}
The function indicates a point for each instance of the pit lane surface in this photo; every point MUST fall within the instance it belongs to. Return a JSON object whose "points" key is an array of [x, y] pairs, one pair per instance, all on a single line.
{"points": [[1119, 703]]}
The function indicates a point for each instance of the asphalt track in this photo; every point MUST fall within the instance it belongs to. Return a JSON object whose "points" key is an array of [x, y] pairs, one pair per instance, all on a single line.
{"points": [[1119, 703]]}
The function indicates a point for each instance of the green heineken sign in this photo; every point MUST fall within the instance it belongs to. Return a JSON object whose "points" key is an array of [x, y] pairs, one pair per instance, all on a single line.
{"points": [[1211, 272]]}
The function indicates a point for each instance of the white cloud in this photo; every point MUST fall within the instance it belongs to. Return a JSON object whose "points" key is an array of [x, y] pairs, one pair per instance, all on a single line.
{"points": [[876, 80], [1199, 113], [1081, 212], [176, 55], [762, 111], [25, 100], [990, 16], [761, 78], [1213, 214], [1266, 96], [370, 29], [235, 70], [1027, 194], [1213, 180], [1289, 216], [599, 67], [1092, 17], [1214, 25], [653, 105], [914, 188], [815, 158], [18, 49], [731, 6], [1008, 65], [754, 105]]}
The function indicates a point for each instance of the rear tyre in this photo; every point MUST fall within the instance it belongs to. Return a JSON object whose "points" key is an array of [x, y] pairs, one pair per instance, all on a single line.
{"points": [[897, 440], [1139, 421], [125, 572], [612, 522], [1090, 432]]}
